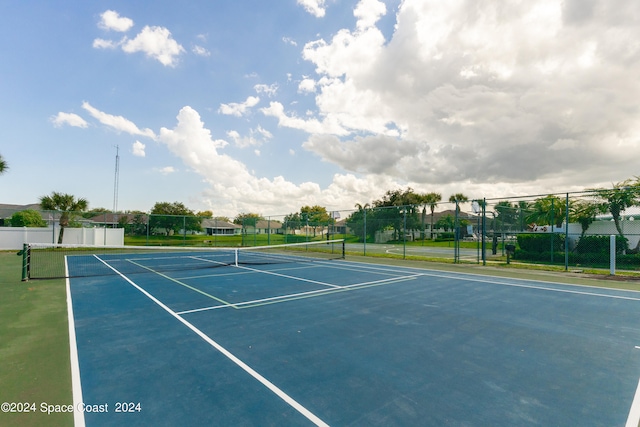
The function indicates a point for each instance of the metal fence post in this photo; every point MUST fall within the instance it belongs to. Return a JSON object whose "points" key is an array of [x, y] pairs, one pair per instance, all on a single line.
{"points": [[484, 230], [456, 237], [612, 255], [566, 236], [364, 247], [404, 235]]}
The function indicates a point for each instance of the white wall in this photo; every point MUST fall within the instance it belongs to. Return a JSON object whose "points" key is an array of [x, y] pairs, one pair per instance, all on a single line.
{"points": [[16, 237]]}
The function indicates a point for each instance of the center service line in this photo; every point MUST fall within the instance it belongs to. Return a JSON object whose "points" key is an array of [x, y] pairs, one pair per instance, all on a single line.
{"points": [[281, 394]]}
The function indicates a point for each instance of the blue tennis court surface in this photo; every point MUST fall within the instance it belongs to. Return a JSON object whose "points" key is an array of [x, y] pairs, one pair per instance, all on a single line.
{"points": [[347, 344]]}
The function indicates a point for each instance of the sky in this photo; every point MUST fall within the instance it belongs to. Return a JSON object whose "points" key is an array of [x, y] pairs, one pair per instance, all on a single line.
{"points": [[253, 106]]}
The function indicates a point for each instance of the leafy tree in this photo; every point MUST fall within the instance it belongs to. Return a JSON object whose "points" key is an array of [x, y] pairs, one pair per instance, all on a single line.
{"points": [[137, 226], [67, 205], [248, 219], [356, 221], [27, 218], [222, 218], [315, 216], [3, 165], [293, 221], [123, 221], [173, 217], [205, 214], [396, 208], [446, 222]]}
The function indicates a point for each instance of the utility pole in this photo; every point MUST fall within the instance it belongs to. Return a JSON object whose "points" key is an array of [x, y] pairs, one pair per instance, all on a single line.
{"points": [[115, 183]]}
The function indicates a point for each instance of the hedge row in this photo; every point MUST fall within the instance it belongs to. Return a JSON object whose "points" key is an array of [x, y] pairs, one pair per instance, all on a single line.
{"points": [[601, 244], [593, 259]]}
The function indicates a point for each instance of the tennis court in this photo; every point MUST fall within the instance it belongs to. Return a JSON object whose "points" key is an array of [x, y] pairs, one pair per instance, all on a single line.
{"points": [[340, 343]]}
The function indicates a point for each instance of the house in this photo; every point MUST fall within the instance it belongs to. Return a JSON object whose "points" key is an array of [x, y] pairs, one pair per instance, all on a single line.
{"points": [[216, 227], [264, 226]]}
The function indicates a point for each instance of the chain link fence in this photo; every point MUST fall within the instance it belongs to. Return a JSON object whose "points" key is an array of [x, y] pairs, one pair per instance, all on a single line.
{"points": [[570, 230]]}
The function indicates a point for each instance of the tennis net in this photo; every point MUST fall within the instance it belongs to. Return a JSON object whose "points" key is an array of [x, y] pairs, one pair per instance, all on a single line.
{"points": [[49, 261]]}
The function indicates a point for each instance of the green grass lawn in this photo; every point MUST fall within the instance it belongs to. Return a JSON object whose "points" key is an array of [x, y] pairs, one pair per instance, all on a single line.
{"points": [[34, 345]]}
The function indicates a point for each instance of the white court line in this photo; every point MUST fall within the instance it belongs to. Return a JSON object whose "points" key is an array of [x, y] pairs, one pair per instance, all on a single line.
{"points": [[268, 384], [471, 277], [213, 297], [544, 288], [634, 413], [317, 292], [291, 277], [76, 384]]}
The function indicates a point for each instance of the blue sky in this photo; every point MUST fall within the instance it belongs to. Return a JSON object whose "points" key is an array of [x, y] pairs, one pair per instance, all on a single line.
{"points": [[251, 106]]}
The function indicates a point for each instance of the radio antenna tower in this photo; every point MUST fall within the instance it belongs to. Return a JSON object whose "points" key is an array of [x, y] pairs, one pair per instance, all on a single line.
{"points": [[115, 184]]}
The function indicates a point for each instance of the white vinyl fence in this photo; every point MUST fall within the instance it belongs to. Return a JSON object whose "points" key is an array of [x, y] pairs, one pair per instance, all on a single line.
{"points": [[16, 237]]}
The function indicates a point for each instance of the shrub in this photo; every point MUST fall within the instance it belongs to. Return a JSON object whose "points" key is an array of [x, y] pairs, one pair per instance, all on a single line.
{"points": [[27, 218], [600, 245]]}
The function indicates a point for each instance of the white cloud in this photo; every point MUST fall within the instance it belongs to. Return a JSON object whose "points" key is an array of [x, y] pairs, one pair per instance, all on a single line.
{"points": [[232, 188], [239, 109], [118, 123], [314, 7], [167, 170], [479, 94], [289, 41], [498, 99], [269, 90], [369, 12], [328, 126], [307, 85], [138, 149], [155, 42], [111, 20], [69, 119], [104, 44], [200, 51], [255, 138]]}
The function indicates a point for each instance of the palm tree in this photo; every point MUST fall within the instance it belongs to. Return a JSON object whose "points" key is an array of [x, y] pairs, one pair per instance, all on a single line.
{"points": [[584, 212], [549, 210], [457, 199], [431, 200], [3, 165], [64, 203]]}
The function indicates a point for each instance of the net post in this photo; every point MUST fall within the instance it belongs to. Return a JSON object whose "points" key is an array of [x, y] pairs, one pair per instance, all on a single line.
{"points": [[343, 249], [236, 258], [25, 262]]}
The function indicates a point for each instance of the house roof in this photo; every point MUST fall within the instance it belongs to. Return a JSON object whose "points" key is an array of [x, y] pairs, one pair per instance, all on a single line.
{"points": [[216, 223], [6, 210], [268, 224]]}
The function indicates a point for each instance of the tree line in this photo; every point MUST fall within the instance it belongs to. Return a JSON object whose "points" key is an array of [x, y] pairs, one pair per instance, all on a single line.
{"points": [[398, 210]]}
